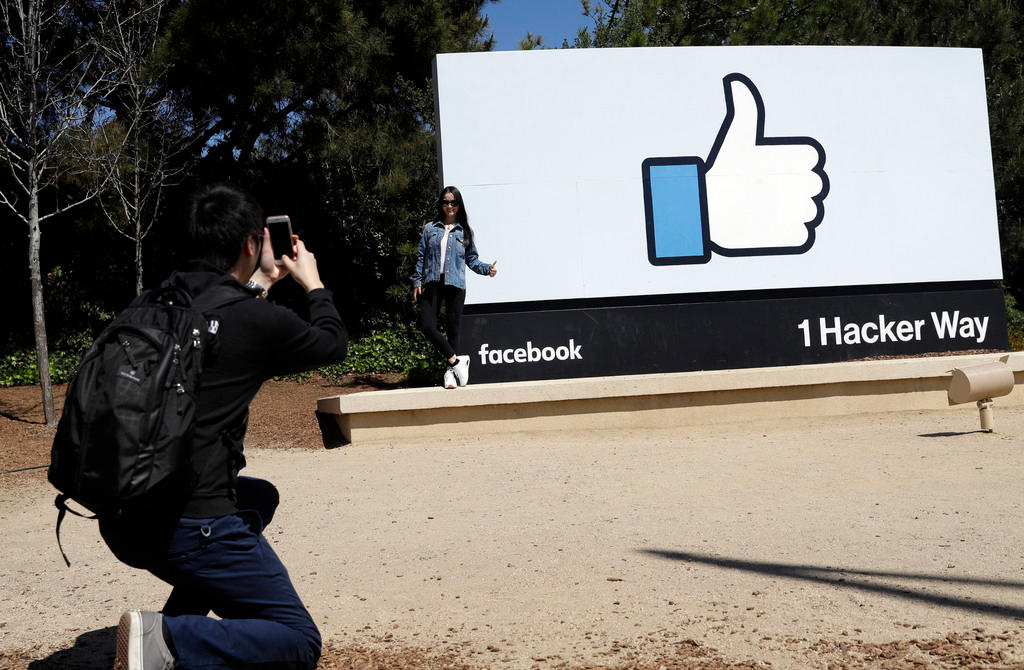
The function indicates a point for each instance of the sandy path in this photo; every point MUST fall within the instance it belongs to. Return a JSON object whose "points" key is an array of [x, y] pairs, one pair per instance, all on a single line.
{"points": [[774, 542]]}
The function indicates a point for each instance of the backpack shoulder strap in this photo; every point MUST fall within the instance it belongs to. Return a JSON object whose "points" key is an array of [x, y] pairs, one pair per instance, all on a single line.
{"points": [[217, 297], [62, 508], [208, 303]]}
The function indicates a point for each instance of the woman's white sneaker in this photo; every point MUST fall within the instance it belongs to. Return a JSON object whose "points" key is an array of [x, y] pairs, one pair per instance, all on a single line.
{"points": [[461, 369], [449, 379]]}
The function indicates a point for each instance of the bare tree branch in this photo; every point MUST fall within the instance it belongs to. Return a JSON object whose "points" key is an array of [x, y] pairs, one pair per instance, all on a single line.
{"points": [[148, 147], [51, 80]]}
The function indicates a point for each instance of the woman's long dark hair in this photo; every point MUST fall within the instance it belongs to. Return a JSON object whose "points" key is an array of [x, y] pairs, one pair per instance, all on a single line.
{"points": [[460, 214]]}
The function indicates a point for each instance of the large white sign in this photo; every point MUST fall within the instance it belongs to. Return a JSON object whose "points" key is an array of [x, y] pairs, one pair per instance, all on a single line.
{"points": [[629, 172]]}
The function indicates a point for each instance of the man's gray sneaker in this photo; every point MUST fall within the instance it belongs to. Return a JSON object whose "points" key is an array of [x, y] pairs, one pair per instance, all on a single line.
{"points": [[461, 370], [140, 642]]}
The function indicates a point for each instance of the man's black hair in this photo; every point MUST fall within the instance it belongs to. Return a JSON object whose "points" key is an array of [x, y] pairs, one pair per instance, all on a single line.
{"points": [[220, 218]]}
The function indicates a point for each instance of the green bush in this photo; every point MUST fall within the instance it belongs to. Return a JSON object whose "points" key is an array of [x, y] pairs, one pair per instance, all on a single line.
{"points": [[397, 349], [20, 368], [1014, 323]]}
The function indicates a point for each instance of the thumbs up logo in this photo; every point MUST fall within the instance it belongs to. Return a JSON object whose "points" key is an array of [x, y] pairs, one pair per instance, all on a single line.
{"points": [[754, 196]]}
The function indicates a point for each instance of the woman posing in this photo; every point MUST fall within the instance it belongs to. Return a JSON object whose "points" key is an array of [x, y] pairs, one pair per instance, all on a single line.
{"points": [[446, 248]]}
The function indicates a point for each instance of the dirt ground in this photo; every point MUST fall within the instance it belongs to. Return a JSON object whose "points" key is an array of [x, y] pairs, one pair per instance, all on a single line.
{"points": [[868, 541]]}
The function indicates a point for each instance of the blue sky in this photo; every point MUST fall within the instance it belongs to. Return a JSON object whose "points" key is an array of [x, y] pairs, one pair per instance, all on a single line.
{"points": [[554, 19]]}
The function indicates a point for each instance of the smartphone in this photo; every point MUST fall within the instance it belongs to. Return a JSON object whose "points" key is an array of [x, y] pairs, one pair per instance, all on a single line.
{"points": [[280, 237]]}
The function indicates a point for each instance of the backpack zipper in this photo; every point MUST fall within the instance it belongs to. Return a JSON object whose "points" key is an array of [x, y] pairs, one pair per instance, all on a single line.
{"points": [[179, 389], [127, 346]]}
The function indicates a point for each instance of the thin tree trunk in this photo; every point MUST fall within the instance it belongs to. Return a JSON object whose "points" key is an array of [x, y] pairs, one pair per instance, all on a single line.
{"points": [[138, 266], [38, 315], [137, 211], [138, 259], [138, 263], [34, 232]]}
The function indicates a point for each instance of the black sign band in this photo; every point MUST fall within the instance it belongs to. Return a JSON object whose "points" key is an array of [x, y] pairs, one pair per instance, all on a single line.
{"points": [[590, 341]]}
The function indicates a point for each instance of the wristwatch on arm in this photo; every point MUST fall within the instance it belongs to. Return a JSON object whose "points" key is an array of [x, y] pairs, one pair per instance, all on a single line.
{"points": [[256, 288]]}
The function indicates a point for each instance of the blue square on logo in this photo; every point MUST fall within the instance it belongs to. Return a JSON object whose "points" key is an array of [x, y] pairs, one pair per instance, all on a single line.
{"points": [[677, 230]]}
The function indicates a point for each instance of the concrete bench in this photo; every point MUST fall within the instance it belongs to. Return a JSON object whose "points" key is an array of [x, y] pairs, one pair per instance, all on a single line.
{"points": [[675, 399]]}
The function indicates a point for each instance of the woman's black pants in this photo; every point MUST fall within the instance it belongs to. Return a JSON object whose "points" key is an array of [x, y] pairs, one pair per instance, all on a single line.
{"points": [[435, 294]]}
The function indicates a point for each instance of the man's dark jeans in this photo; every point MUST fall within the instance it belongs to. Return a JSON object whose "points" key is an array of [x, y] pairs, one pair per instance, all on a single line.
{"points": [[225, 565]]}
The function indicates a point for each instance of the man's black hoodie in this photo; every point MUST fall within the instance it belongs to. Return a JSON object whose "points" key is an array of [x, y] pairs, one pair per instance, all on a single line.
{"points": [[256, 340]]}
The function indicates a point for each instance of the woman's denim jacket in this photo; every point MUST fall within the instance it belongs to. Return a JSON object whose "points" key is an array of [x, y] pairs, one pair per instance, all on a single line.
{"points": [[457, 257]]}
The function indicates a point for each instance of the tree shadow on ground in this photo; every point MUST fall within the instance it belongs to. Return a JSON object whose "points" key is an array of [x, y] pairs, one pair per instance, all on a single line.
{"points": [[16, 414], [860, 580], [92, 650]]}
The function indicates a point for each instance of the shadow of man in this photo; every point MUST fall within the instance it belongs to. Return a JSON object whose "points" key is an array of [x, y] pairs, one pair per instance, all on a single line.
{"points": [[92, 650]]}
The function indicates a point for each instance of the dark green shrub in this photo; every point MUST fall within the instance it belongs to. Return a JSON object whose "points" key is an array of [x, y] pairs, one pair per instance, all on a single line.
{"points": [[400, 349], [1014, 323], [397, 349], [20, 369]]}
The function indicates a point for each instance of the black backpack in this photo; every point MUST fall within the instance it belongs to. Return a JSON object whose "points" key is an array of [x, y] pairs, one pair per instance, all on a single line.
{"points": [[129, 413]]}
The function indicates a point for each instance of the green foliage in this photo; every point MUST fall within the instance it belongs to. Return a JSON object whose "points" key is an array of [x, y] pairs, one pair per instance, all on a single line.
{"points": [[1014, 323], [20, 368], [401, 349], [75, 312], [531, 42], [397, 349], [255, 72], [73, 304], [325, 110]]}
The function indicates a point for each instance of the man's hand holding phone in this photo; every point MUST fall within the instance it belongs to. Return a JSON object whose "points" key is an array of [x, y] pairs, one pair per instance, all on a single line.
{"points": [[284, 253], [268, 272], [303, 267], [281, 241]]}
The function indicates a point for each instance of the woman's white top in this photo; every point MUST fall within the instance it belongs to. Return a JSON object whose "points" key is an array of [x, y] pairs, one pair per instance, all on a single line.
{"points": [[448, 227]]}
